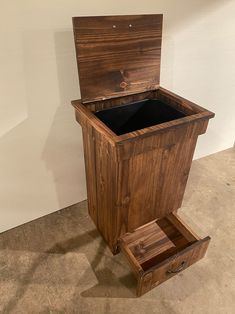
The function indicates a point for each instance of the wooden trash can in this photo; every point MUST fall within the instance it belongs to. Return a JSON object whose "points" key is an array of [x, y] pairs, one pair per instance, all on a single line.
{"points": [[139, 140]]}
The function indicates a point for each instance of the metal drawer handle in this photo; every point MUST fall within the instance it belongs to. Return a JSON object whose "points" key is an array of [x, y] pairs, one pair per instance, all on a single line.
{"points": [[177, 270]]}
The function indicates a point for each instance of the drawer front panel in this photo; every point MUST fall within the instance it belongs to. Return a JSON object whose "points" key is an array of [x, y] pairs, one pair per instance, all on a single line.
{"points": [[172, 266]]}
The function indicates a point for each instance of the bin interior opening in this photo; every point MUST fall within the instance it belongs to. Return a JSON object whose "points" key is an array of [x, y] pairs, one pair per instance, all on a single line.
{"points": [[138, 115]]}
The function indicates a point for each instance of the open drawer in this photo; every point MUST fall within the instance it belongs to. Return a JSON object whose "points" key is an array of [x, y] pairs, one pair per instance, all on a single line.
{"points": [[161, 249]]}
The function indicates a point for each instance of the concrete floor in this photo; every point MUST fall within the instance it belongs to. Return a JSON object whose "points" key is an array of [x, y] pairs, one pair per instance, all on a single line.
{"points": [[60, 264]]}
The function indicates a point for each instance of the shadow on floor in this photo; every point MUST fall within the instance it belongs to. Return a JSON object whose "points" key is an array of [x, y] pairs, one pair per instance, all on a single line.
{"points": [[46, 240]]}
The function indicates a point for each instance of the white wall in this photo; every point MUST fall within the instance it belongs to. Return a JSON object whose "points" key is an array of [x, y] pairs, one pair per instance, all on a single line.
{"points": [[41, 154]]}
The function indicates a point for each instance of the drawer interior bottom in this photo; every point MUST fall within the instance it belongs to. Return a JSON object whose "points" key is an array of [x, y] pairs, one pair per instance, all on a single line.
{"points": [[155, 242]]}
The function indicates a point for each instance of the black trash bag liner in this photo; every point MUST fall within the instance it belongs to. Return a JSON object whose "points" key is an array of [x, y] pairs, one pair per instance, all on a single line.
{"points": [[138, 115]]}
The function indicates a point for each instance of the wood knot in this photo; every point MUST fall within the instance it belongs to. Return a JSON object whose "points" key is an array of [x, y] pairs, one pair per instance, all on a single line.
{"points": [[123, 85], [139, 249], [126, 200]]}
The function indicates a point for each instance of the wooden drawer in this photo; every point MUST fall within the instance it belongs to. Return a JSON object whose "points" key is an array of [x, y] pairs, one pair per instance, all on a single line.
{"points": [[159, 250]]}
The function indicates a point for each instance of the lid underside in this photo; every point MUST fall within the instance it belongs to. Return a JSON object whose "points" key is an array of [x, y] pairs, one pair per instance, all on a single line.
{"points": [[117, 55]]}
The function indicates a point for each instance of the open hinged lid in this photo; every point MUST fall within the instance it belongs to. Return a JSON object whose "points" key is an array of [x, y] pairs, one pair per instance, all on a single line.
{"points": [[117, 55]]}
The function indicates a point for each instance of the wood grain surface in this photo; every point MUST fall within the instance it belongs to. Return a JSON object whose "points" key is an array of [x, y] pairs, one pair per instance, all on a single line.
{"points": [[117, 55], [159, 250], [137, 177], [136, 181]]}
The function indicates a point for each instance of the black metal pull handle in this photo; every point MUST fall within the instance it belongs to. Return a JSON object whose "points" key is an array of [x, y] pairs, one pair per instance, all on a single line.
{"points": [[177, 270]]}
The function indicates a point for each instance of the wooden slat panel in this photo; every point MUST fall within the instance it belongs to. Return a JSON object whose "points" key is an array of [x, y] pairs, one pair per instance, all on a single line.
{"points": [[119, 101], [101, 183], [154, 183], [90, 165], [117, 55], [169, 267], [168, 246], [165, 139], [188, 233], [141, 177], [153, 239], [134, 264]]}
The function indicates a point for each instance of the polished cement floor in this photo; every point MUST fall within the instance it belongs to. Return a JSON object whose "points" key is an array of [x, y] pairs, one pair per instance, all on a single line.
{"points": [[60, 264]]}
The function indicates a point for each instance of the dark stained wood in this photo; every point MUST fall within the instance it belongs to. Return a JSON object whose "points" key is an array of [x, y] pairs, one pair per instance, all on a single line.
{"points": [[137, 177], [172, 266], [136, 181], [119, 101], [101, 182], [186, 231], [196, 114], [160, 250], [149, 241], [152, 184], [178, 102], [117, 55]]}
